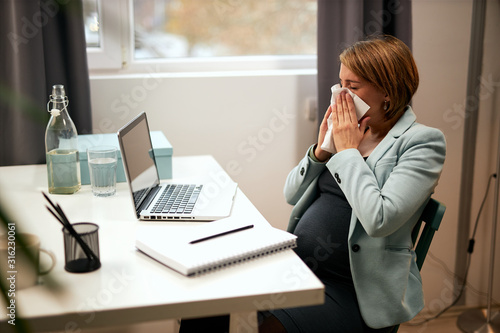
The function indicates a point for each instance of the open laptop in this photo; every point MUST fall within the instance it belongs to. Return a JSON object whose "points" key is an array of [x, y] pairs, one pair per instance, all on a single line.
{"points": [[167, 201]]}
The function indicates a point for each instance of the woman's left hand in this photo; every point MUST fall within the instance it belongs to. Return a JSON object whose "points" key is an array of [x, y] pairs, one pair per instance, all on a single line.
{"points": [[345, 130]]}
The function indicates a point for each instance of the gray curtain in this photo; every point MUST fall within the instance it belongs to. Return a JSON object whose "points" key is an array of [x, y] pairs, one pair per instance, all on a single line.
{"points": [[343, 22], [43, 43]]}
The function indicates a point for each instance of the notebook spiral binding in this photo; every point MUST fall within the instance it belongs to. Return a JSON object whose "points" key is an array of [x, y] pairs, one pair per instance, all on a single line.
{"points": [[238, 259]]}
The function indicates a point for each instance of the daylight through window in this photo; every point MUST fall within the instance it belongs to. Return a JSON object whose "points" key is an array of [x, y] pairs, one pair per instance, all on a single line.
{"points": [[214, 28], [91, 21]]}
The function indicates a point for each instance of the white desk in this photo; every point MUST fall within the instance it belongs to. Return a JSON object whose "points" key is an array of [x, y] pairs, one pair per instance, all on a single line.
{"points": [[131, 288]]}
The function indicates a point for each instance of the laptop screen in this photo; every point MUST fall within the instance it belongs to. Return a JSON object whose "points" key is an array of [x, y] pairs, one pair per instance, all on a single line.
{"points": [[138, 157]]}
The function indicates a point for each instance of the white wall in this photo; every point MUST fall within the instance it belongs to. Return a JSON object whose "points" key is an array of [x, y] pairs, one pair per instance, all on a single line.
{"points": [[254, 124], [441, 49], [255, 127]]}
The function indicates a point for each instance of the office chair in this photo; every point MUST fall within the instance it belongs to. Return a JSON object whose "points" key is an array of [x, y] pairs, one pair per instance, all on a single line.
{"points": [[432, 216]]}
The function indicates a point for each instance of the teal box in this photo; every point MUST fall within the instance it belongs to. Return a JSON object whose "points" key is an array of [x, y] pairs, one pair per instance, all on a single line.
{"points": [[161, 146]]}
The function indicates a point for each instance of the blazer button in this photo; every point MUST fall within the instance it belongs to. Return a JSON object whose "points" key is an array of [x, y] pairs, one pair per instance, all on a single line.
{"points": [[337, 177], [302, 171], [355, 248]]}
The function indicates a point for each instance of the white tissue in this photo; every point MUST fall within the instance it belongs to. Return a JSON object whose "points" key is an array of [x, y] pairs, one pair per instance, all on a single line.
{"points": [[361, 109]]}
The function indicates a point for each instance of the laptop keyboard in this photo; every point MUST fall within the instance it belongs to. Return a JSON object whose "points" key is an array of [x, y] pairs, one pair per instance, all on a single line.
{"points": [[177, 199], [138, 196]]}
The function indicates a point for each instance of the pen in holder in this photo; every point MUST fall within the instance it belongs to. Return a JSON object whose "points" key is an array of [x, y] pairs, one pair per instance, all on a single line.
{"points": [[81, 242], [77, 257]]}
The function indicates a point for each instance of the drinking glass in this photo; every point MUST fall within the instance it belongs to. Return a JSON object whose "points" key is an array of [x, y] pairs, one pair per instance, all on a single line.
{"points": [[102, 168]]}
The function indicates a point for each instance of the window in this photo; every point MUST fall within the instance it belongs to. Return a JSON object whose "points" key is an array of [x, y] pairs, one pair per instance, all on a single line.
{"points": [[102, 35], [211, 28], [200, 35], [91, 21]]}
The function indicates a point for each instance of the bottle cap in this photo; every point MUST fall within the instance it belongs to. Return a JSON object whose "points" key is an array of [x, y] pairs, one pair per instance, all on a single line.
{"points": [[58, 96], [58, 91]]}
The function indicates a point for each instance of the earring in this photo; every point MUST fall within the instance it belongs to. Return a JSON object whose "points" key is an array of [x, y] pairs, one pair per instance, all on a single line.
{"points": [[385, 105]]}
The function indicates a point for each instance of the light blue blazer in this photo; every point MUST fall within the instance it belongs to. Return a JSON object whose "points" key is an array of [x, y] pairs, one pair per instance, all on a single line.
{"points": [[387, 193]]}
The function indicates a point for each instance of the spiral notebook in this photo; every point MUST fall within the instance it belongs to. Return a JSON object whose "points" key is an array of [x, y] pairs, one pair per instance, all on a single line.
{"points": [[195, 250]]}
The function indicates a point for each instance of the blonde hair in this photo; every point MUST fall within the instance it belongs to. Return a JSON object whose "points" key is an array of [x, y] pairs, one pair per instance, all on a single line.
{"points": [[387, 63]]}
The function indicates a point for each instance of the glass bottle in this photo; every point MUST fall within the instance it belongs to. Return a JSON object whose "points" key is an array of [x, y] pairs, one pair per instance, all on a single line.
{"points": [[61, 146]]}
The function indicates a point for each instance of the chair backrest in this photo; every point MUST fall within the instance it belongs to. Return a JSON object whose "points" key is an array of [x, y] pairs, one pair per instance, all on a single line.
{"points": [[431, 219]]}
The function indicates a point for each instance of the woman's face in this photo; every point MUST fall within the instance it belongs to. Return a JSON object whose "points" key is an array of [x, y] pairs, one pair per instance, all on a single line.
{"points": [[370, 94]]}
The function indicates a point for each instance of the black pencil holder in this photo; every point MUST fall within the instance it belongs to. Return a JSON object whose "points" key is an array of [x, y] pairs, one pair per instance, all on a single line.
{"points": [[77, 259]]}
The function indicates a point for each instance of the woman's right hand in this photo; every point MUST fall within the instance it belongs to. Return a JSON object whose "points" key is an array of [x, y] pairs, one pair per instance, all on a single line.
{"points": [[321, 154]]}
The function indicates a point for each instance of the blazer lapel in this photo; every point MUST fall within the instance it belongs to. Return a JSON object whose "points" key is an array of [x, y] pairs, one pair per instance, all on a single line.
{"points": [[406, 121]]}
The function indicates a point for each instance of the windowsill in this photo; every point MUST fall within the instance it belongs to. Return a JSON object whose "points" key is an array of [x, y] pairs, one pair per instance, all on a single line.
{"points": [[206, 74], [215, 67]]}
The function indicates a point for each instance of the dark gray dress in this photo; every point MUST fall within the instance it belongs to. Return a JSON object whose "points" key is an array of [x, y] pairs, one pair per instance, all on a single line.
{"points": [[322, 244]]}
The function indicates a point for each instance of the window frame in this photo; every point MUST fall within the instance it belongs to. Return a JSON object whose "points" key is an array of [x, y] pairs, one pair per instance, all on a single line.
{"points": [[109, 53], [116, 54]]}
